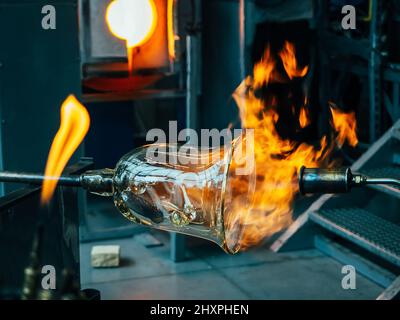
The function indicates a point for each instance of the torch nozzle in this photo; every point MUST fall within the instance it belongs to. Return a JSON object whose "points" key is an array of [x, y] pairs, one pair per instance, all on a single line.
{"points": [[97, 181], [316, 180]]}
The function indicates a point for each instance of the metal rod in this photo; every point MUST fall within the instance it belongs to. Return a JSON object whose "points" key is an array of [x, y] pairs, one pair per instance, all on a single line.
{"points": [[383, 181], [99, 182], [31, 178]]}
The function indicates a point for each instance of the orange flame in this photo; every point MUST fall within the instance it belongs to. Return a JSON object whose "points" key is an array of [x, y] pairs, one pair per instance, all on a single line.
{"points": [[304, 118], [262, 203], [345, 125], [288, 56], [263, 69], [74, 125]]}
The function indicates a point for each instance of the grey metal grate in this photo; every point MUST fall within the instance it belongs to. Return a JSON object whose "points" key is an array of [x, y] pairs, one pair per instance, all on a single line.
{"points": [[367, 230]]}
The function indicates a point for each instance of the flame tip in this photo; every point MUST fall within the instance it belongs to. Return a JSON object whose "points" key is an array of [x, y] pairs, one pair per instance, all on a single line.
{"points": [[75, 123]]}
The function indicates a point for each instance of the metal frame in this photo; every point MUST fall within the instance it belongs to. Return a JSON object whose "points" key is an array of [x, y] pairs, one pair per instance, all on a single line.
{"points": [[391, 292], [367, 49], [1, 131], [147, 94], [390, 80], [392, 76], [370, 270], [374, 73], [193, 90]]}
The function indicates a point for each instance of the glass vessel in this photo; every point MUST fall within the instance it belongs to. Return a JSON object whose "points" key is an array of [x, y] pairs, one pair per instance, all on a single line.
{"points": [[181, 189]]}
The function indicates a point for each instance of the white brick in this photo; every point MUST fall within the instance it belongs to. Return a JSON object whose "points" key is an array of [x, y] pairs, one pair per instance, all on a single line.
{"points": [[105, 256]]}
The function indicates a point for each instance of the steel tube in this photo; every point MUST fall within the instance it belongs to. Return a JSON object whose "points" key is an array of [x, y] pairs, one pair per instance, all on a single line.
{"points": [[99, 182], [31, 178], [383, 181], [316, 180]]}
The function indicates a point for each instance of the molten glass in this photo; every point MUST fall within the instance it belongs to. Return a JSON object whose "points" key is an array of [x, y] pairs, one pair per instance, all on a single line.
{"points": [[133, 21]]}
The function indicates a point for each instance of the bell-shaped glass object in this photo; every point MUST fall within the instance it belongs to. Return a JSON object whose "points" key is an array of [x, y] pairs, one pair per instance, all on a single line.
{"points": [[180, 189]]}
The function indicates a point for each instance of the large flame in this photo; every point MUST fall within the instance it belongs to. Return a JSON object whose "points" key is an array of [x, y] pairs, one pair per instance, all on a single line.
{"points": [[262, 204], [74, 125], [133, 21]]}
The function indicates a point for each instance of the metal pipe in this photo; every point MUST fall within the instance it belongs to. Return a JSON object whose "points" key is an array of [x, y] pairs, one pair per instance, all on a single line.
{"points": [[97, 181], [316, 180], [31, 178], [389, 181]]}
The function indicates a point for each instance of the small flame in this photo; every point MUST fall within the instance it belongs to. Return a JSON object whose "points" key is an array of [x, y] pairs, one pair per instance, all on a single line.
{"points": [[288, 56], [74, 125], [263, 69], [304, 119], [262, 203], [133, 21], [345, 125]]}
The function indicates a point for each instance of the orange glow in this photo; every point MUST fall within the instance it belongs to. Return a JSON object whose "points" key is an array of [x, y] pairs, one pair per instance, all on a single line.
{"points": [[346, 127], [171, 33], [268, 208], [288, 56], [130, 51], [74, 125], [304, 118], [133, 21]]}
